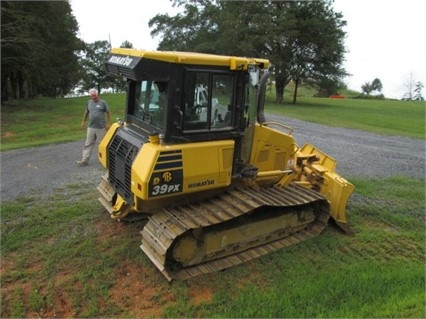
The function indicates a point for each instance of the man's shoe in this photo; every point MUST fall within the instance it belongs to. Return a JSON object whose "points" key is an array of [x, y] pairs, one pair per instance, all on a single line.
{"points": [[82, 163]]}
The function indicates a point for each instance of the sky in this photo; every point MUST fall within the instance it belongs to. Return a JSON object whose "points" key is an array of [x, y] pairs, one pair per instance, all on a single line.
{"points": [[384, 39]]}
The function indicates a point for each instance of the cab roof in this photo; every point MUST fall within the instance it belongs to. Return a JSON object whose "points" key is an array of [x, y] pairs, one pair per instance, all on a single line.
{"points": [[177, 57]]}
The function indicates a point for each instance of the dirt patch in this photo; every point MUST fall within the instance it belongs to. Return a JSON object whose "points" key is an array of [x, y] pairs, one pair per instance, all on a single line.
{"points": [[8, 134], [63, 305], [106, 228], [200, 293], [136, 290], [33, 294], [135, 296], [254, 277]]}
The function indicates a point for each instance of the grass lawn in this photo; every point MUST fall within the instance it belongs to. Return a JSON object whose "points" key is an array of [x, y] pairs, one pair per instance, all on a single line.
{"points": [[389, 117], [64, 257], [43, 121]]}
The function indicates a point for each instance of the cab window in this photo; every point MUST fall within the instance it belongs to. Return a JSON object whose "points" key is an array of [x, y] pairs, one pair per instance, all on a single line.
{"points": [[208, 100], [149, 103]]}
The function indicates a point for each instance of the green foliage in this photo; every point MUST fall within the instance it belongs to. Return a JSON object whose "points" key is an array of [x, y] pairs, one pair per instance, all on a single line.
{"points": [[317, 55], [375, 86], [38, 48], [302, 39], [92, 60], [126, 44], [326, 87], [418, 91]]}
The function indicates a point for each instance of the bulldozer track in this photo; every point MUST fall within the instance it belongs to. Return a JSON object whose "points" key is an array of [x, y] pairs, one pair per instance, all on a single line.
{"points": [[164, 228]]}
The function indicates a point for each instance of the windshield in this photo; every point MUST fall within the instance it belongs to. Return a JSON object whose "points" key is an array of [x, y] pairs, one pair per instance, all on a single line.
{"points": [[150, 102]]}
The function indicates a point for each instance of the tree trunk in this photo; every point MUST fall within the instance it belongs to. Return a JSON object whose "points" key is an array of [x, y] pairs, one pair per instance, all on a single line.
{"points": [[21, 86], [279, 91], [13, 85], [296, 85], [280, 83], [4, 88]]}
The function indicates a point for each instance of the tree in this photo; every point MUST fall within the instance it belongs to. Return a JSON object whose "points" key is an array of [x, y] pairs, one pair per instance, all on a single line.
{"points": [[377, 85], [418, 90], [303, 40], [39, 46], [94, 75], [191, 30], [367, 88], [92, 59], [117, 82], [318, 49], [374, 86], [327, 86], [410, 85], [126, 44]]}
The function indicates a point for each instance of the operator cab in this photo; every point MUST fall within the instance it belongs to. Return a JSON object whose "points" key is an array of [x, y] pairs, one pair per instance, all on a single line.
{"points": [[202, 103], [183, 99]]}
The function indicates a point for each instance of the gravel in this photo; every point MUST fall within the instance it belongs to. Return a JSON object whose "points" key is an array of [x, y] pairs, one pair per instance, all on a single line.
{"points": [[362, 154], [42, 169], [358, 154]]}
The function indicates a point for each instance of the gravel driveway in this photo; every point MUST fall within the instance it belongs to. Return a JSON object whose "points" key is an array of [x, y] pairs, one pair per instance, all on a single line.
{"points": [[358, 153]]}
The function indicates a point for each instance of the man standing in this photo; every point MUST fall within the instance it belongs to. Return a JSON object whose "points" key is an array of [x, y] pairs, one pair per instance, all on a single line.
{"points": [[99, 115]]}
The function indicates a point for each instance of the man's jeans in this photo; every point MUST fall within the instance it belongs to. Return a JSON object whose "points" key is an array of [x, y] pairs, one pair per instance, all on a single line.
{"points": [[93, 137]]}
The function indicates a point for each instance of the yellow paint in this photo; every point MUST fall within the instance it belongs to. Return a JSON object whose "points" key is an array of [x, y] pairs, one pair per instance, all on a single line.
{"points": [[234, 63]]}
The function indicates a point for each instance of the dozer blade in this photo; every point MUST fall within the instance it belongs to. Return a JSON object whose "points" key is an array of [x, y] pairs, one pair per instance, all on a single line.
{"points": [[185, 241]]}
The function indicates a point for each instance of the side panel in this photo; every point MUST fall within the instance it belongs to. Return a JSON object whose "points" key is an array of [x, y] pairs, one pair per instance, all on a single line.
{"points": [[164, 171], [272, 149], [103, 145]]}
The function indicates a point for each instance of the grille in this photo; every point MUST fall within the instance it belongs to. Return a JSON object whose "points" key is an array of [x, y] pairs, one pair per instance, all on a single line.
{"points": [[121, 155], [126, 72]]}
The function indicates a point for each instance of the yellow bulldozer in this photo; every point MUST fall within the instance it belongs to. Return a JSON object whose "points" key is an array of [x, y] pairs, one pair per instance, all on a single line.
{"points": [[216, 183]]}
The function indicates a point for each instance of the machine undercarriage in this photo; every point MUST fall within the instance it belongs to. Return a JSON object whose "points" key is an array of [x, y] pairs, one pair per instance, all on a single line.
{"points": [[233, 227]]}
